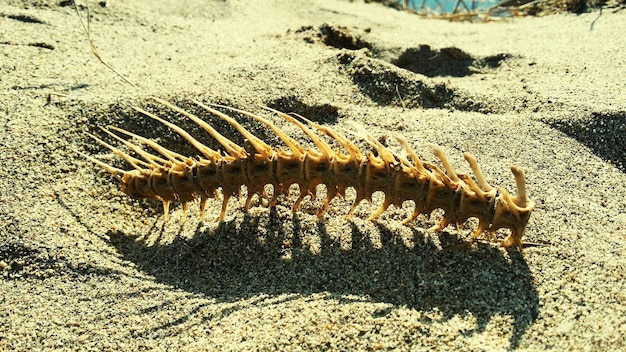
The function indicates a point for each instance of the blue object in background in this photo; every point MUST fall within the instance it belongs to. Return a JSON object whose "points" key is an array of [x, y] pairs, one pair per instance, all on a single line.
{"points": [[448, 6]]}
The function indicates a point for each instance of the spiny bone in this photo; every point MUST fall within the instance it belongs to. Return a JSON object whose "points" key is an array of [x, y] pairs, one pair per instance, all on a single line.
{"points": [[417, 163], [352, 160], [129, 159], [482, 183], [152, 159], [260, 146], [166, 210], [354, 153], [170, 155], [206, 151], [325, 156], [446, 164], [295, 153], [182, 179], [291, 143], [113, 171], [383, 153], [326, 151], [231, 147], [520, 181]]}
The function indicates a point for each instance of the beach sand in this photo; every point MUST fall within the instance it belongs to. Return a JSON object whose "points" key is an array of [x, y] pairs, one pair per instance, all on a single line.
{"points": [[85, 267]]}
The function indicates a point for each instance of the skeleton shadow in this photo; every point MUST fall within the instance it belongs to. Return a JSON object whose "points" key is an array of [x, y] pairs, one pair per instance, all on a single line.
{"points": [[241, 261]]}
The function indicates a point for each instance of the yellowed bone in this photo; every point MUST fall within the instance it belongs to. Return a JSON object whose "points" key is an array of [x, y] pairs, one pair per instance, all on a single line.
{"points": [[129, 159], [231, 147], [354, 153], [166, 210], [206, 151], [417, 163], [446, 164], [174, 157], [397, 174], [153, 160], [383, 153], [115, 172], [482, 183], [324, 148], [260, 146], [521, 200], [295, 148]]}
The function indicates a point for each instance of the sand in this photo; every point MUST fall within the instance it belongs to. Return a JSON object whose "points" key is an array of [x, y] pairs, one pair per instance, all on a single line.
{"points": [[84, 267]]}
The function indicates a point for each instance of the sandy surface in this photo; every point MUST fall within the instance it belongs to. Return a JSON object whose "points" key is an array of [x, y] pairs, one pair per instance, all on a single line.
{"points": [[86, 268]]}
